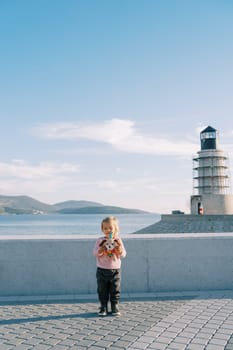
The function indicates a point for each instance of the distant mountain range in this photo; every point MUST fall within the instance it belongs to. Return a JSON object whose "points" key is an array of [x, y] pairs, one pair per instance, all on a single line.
{"points": [[28, 205]]}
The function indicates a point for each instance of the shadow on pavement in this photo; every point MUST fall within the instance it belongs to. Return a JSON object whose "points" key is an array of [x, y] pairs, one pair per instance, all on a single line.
{"points": [[48, 318]]}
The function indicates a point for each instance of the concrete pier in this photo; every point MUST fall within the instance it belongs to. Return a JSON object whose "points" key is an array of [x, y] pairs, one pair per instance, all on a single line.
{"points": [[184, 223]]}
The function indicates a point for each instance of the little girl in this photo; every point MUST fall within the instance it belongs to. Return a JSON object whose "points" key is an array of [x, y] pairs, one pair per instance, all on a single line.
{"points": [[108, 266]]}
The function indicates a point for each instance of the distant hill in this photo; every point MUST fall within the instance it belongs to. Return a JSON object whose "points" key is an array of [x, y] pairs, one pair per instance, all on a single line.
{"points": [[28, 205], [23, 205], [76, 204], [103, 209]]}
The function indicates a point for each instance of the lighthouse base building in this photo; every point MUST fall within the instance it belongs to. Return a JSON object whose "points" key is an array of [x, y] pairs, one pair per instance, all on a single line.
{"points": [[212, 204]]}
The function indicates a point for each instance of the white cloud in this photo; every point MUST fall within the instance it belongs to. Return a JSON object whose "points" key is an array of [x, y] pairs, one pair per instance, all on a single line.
{"points": [[120, 134], [20, 169], [40, 181]]}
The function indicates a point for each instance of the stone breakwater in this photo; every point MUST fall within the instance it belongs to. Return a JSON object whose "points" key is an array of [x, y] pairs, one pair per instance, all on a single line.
{"points": [[181, 223]]}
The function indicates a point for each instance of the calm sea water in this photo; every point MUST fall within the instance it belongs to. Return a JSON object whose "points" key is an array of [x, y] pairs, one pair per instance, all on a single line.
{"points": [[85, 224]]}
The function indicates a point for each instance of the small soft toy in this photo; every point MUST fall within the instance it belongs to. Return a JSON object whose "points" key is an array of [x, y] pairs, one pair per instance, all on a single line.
{"points": [[111, 246]]}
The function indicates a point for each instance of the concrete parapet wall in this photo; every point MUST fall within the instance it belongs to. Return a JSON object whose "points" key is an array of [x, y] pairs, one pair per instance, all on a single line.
{"points": [[154, 263]]}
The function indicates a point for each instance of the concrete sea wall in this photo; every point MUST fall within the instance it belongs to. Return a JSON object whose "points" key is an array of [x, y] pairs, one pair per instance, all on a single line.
{"points": [[37, 266]]}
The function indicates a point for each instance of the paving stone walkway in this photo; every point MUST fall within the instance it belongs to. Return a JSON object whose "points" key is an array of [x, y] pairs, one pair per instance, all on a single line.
{"points": [[202, 321]]}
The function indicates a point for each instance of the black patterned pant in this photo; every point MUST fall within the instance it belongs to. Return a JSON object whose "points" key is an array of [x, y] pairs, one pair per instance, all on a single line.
{"points": [[108, 285]]}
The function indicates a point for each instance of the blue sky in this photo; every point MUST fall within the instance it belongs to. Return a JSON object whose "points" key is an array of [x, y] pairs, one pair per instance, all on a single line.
{"points": [[104, 100]]}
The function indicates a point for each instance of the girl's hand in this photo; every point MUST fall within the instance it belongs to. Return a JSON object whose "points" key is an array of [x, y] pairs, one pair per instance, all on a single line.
{"points": [[118, 242], [118, 248], [101, 250]]}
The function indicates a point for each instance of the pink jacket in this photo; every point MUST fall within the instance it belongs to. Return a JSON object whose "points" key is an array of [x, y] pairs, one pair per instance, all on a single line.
{"points": [[105, 261]]}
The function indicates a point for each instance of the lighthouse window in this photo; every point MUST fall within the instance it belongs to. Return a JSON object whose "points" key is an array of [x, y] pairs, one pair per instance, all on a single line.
{"points": [[208, 135]]}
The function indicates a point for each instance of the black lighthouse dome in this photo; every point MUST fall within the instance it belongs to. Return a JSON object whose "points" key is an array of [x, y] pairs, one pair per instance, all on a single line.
{"points": [[208, 138]]}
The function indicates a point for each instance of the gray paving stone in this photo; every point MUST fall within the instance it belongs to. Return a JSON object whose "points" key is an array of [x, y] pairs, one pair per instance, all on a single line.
{"points": [[103, 343], [139, 345], [159, 329], [205, 332], [200, 341], [60, 347], [51, 341], [13, 341], [173, 329], [147, 339], [215, 341], [136, 333], [226, 326], [231, 339], [5, 347], [214, 347], [187, 334], [176, 346], [86, 342], [98, 337], [225, 331], [22, 347], [157, 346], [229, 347], [60, 336], [162, 339], [32, 341], [182, 340], [67, 342], [196, 347], [219, 335], [115, 347]]}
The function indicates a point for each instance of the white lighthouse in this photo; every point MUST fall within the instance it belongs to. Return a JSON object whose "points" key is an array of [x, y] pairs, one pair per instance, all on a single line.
{"points": [[211, 180]]}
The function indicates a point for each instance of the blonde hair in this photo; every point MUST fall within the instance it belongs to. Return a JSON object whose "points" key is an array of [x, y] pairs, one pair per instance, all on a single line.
{"points": [[111, 220]]}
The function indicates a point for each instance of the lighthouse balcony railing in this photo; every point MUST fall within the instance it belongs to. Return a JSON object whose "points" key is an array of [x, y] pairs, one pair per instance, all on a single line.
{"points": [[206, 166], [211, 191], [212, 155], [211, 177]]}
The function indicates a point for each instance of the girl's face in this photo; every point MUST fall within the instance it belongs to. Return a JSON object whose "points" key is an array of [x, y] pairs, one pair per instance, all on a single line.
{"points": [[108, 228]]}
